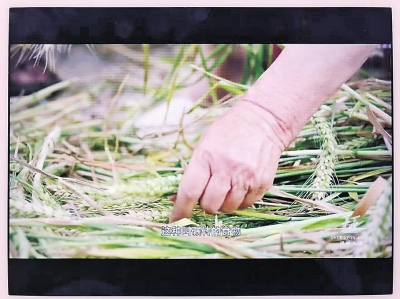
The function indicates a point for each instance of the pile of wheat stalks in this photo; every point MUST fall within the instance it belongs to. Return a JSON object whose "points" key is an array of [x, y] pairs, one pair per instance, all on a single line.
{"points": [[90, 189]]}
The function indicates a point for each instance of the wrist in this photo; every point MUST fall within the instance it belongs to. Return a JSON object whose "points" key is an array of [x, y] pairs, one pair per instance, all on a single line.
{"points": [[301, 80], [276, 111]]}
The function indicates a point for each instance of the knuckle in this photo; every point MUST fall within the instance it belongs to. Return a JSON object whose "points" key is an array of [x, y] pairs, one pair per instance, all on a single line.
{"points": [[251, 176], [252, 171], [204, 153]]}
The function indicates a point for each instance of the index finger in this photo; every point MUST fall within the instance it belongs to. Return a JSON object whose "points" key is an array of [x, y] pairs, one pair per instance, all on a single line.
{"points": [[191, 188]]}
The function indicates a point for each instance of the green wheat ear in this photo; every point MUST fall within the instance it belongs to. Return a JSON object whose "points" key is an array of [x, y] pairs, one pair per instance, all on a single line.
{"points": [[324, 174], [379, 225], [357, 143], [45, 207], [156, 187]]}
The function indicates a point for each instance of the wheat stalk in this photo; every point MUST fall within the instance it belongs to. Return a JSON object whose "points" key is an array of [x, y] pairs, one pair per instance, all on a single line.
{"points": [[56, 168]]}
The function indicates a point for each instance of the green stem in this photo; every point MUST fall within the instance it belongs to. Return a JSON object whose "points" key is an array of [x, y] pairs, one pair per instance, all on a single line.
{"points": [[360, 153], [290, 226]]}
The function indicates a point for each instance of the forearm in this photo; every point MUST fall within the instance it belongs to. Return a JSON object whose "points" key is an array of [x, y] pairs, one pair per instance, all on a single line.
{"points": [[301, 80]]}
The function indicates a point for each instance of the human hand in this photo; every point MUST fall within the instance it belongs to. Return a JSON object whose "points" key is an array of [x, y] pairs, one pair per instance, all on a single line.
{"points": [[233, 164], [236, 159]]}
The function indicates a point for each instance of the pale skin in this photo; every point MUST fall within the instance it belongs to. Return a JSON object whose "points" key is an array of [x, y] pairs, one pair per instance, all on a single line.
{"points": [[236, 160]]}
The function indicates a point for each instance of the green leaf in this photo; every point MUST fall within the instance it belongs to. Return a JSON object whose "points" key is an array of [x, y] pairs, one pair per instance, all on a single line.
{"points": [[263, 216], [325, 224]]}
